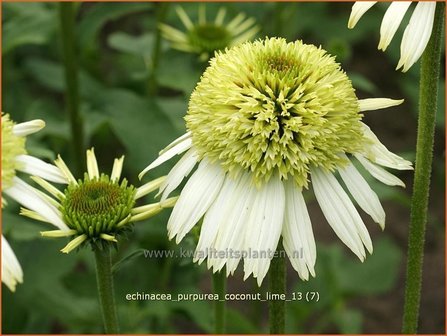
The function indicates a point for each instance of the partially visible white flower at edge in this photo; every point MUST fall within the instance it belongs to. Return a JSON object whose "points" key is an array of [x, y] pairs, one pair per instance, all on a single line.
{"points": [[416, 35], [15, 158]]}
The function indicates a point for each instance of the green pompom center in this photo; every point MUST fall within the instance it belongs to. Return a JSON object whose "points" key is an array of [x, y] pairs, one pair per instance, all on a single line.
{"points": [[97, 206], [209, 37], [272, 107]]}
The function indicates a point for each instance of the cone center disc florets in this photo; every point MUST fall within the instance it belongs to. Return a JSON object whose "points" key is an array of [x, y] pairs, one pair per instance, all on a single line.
{"points": [[209, 37], [272, 106], [12, 146], [97, 206]]}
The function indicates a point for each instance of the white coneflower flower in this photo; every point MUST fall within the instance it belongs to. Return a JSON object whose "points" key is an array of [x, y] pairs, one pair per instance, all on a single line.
{"points": [[205, 37], [14, 159], [266, 119], [96, 209], [416, 35]]}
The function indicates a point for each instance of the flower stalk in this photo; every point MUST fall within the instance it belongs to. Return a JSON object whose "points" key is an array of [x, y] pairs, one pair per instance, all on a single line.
{"points": [[277, 285], [106, 292], [161, 11], [428, 92], [67, 14], [219, 287]]}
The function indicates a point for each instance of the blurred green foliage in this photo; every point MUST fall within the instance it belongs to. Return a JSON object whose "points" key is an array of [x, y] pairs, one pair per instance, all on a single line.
{"points": [[115, 51]]}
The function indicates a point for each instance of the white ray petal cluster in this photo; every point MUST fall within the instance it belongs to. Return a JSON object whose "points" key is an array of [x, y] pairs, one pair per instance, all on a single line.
{"points": [[416, 34], [15, 159], [242, 221]]}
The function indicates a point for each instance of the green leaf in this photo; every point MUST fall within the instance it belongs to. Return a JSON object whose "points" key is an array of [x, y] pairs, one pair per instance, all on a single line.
{"points": [[349, 321], [30, 24], [101, 13], [376, 275], [136, 45], [127, 259]]}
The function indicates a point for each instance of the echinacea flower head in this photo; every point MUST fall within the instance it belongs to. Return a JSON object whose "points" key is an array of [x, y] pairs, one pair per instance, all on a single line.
{"points": [[97, 209], [204, 37], [416, 34], [268, 120], [15, 159]]}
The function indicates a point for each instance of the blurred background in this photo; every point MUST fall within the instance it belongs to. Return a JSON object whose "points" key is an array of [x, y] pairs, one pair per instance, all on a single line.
{"points": [[134, 91]]}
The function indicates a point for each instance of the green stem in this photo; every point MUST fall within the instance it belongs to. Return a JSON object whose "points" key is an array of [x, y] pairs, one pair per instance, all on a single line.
{"points": [[219, 287], [428, 91], [67, 15], [106, 292], [161, 10], [277, 285]]}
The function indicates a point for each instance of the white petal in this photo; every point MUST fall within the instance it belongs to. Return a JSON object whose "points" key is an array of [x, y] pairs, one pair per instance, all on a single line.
{"points": [[264, 228], [378, 153], [220, 16], [175, 150], [181, 169], [184, 18], [236, 206], [117, 169], [379, 173], [298, 238], [27, 128], [37, 167], [196, 197], [340, 212], [363, 194], [378, 103], [357, 11], [149, 187], [64, 169], [417, 34], [92, 165], [11, 271], [214, 217], [30, 198], [391, 21]]}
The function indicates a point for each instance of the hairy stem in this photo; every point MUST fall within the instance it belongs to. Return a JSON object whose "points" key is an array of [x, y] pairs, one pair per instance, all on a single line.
{"points": [[428, 92]]}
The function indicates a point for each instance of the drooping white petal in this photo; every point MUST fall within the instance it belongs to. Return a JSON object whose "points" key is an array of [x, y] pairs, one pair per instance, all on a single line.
{"points": [[379, 154], [391, 21], [365, 197], [357, 11], [27, 128], [264, 228], [370, 104], [214, 218], [379, 173], [37, 167], [233, 224], [298, 238], [196, 197], [30, 198], [417, 34], [11, 271], [184, 18], [174, 150], [92, 165], [117, 169], [181, 169], [340, 212]]}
